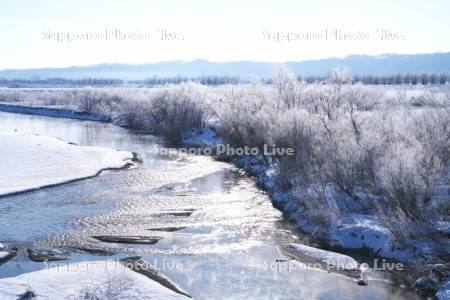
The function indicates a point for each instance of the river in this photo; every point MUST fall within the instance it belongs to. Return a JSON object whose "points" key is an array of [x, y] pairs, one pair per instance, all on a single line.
{"points": [[221, 237]]}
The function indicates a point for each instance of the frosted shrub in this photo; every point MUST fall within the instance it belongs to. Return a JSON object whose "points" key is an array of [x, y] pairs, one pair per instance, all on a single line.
{"points": [[398, 175], [431, 129], [105, 102], [358, 101], [179, 109], [11, 96], [414, 161], [347, 164], [340, 76], [289, 90], [137, 115], [298, 130], [115, 287], [246, 118], [325, 100]]}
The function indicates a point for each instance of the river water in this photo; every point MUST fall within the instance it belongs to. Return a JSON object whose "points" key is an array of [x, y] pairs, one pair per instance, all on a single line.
{"points": [[221, 237]]}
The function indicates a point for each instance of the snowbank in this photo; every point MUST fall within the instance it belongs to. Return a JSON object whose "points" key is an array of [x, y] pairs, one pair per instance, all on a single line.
{"points": [[3, 254], [30, 162], [84, 280], [333, 259], [357, 231], [206, 138]]}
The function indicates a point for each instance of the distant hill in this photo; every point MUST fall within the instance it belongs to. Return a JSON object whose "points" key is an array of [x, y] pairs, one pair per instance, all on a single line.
{"points": [[358, 65]]}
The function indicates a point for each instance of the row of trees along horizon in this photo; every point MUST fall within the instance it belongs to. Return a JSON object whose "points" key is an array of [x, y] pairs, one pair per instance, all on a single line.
{"points": [[398, 79]]}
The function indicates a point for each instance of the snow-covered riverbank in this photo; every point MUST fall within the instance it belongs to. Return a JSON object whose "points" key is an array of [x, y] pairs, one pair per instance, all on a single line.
{"points": [[85, 280], [31, 162]]}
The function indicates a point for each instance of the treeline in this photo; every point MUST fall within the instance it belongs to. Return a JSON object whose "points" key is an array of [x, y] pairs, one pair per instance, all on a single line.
{"points": [[204, 80], [399, 79], [154, 81], [59, 82]]}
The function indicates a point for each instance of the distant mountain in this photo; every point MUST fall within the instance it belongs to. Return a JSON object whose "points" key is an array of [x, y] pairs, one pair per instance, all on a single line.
{"points": [[357, 64]]}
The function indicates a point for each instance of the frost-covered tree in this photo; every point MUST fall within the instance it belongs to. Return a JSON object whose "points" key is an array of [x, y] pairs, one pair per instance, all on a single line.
{"points": [[340, 76]]}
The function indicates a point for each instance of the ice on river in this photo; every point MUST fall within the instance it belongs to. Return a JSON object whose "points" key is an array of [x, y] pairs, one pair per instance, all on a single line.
{"points": [[29, 162]]}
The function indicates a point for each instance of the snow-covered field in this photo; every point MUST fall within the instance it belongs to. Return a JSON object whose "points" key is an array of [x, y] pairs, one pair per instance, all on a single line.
{"points": [[30, 162], [85, 280]]}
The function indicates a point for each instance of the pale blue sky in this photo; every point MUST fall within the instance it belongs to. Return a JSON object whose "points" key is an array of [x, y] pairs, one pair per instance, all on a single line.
{"points": [[214, 30]]}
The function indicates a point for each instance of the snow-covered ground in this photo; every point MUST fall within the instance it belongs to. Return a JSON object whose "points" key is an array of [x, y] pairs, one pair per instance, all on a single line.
{"points": [[206, 138], [85, 280], [30, 162]]}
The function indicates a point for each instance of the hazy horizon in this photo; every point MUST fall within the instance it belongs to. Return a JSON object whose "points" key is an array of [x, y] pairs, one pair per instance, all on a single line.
{"points": [[387, 64]]}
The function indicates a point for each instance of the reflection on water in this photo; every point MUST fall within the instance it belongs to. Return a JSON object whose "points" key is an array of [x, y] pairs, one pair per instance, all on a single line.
{"points": [[218, 228]]}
